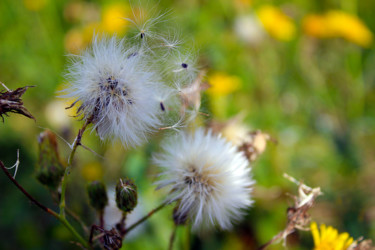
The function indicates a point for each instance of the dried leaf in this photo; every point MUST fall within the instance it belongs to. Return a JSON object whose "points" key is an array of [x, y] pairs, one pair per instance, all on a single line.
{"points": [[191, 95]]}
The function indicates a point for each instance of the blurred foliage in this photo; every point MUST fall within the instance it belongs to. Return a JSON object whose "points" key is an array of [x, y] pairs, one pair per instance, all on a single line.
{"points": [[310, 88]]}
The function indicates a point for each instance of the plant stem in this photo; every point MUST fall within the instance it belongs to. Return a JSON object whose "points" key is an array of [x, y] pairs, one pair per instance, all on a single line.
{"points": [[44, 208], [76, 143], [146, 216], [72, 230], [37, 203], [101, 218], [120, 226], [173, 235], [188, 237]]}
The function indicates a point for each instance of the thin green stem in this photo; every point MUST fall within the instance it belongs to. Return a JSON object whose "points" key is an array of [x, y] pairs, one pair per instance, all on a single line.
{"points": [[72, 230], [188, 237], [173, 236], [146, 217], [76, 143]]}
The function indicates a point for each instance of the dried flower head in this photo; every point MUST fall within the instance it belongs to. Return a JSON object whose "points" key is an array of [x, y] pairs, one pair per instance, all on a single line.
{"points": [[298, 217], [117, 89], [209, 178], [251, 143], [11, 102]]}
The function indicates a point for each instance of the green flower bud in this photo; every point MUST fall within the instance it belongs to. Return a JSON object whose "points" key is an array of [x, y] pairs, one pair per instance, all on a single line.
{"points": [[126, 195], [97, 195], [49, 170]]}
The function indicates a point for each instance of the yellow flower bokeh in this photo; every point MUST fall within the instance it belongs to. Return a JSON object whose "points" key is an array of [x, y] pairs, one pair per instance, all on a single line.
{"points": [[337, 23], [223, 84], [112, 22], [34, 5], [329, 239], [113, 18], [276, 23]]}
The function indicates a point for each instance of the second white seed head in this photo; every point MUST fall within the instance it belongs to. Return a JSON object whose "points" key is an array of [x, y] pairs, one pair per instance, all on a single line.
{"points": [[208, 177]]}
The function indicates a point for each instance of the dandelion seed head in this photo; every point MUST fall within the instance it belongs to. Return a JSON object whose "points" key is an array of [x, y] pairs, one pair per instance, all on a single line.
{"points": [[117, 89], [209, 178]]}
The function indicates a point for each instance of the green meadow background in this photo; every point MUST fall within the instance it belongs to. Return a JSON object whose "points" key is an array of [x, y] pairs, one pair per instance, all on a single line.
{"points": [[314, 96]]}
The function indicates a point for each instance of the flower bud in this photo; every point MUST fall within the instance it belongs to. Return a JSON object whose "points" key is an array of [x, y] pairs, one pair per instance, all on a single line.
{"points": [[49, 170], [126, 195], [97, 195]]}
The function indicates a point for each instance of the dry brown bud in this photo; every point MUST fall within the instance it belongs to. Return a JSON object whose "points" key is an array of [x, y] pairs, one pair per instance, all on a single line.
{"points": [[252, 144], [298, 217], [11, 102]]}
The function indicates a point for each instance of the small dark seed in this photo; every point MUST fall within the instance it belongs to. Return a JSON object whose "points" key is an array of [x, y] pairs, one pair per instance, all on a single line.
{"points": [[162, 106], [132, 55], [184, 65]]}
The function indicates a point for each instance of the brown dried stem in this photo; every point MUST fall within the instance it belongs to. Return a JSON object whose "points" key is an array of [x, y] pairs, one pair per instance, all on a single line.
{"points": [[44, 208], [298, 218]]}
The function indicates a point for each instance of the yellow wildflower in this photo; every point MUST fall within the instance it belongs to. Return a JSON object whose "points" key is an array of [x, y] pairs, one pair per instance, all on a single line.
{"points": [[349, 27], [222, 84], [34, 5], [337, 23], [113, 18], [329, 239], [316, 26], [112, 21], [276, 23]]}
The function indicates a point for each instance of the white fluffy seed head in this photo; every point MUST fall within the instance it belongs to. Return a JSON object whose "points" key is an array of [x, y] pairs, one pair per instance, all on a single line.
{"points": [[117, 88], [208, 176]]}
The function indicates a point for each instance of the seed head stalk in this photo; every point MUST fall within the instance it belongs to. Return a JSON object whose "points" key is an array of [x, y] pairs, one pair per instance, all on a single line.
{"points": [[147, 216], [76, 143]]}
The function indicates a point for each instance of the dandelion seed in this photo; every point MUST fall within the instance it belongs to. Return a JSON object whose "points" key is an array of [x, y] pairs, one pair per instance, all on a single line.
{"points": [[209, 178], [162, 106], [171, 42], [145, 23], [183, 65]]}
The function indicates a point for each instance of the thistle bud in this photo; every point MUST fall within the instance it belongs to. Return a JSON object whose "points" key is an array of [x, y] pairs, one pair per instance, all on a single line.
{"points": [[126, 195], [97, 195], [49, 170]]}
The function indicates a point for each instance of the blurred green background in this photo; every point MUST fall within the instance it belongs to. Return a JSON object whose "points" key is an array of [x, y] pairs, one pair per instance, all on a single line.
{"points": [[302, 71]]}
